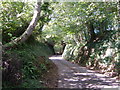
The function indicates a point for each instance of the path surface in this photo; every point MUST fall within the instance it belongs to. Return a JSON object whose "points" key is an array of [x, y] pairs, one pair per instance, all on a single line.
{"points": [[74, 76]]}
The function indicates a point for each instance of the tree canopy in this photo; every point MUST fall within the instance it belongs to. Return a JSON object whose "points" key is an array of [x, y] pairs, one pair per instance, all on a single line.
{"points": [[86, 33], [89, 29]]}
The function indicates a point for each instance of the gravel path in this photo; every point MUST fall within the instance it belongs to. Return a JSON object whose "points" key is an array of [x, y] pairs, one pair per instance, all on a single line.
{"points": [[74, 76]]}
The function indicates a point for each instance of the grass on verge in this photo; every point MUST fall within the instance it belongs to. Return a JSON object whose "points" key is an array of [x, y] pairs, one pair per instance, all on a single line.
{"points": [[34, 63]]}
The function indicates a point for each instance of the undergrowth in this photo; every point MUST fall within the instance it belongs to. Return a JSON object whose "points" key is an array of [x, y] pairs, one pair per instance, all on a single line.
{"points": [[34, 63]]}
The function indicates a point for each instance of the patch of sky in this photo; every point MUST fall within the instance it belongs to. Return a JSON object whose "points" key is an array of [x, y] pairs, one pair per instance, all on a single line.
{"points": [[96, 31]]}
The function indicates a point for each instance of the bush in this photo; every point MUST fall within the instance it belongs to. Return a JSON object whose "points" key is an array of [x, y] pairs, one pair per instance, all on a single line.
{"points": [[34, 63]]}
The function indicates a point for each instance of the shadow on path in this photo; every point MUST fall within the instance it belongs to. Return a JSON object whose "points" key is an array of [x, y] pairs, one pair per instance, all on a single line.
{"points": [[74, 76]]}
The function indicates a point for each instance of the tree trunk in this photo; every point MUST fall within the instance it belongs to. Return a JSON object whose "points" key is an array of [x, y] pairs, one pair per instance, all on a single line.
{"points": [[29, 30], [86, 50]]}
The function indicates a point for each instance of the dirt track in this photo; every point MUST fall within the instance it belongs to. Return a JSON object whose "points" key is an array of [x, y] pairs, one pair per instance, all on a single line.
{"points": [[74, 76]]}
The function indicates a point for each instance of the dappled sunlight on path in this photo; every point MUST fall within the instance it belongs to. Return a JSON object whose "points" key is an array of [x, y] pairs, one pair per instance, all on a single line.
{"points": [[74, 76]]}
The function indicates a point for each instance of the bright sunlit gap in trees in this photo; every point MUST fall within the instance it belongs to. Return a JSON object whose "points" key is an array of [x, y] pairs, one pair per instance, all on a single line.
{"points": [[56, 57]]}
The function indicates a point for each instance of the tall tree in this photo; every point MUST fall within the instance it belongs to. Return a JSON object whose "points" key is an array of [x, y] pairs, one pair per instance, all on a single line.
{"points": [[30, 28], [91, 21]]}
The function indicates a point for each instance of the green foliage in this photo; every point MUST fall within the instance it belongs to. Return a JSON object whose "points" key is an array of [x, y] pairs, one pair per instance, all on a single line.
{"points": [[32, 68], [117, 66], [28, 54], [30, 83], [72, 23], [14, 20], [73, 18], [16, 16], [71, 52]]}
